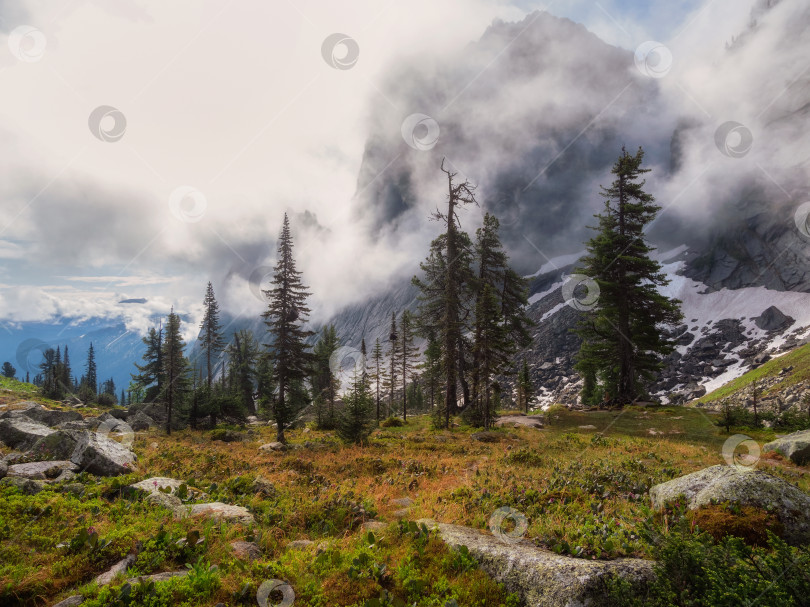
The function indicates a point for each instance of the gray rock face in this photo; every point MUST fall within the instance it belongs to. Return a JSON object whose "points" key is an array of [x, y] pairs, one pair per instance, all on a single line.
{"points": [[542, 578], [743, 486], [247, 551], [52, 417], [531, 421], [3, 468], [25, 485], [773, 319], [140, 422], [41, 470], [120, 567], [59, 445], [71, 601], [796, 446], [218, 510], [102, 456], [21, 432]]}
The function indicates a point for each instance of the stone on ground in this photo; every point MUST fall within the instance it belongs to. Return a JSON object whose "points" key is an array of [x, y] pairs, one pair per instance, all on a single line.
{"points": [[102, 456], [795, 446], [20, 432], [515, 421], [218, 510], [120, 567], [41, 470], [247, 551], [745, 487], [542, 578]]}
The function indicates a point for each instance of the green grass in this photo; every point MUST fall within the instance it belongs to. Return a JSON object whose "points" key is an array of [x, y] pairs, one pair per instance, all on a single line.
{"points": [[799, 359]]}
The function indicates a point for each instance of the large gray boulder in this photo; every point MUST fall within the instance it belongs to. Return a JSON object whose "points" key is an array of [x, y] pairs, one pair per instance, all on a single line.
{"points": [[221, 511], [745, 487], [140, 422], [56, 446], [20, 432], [542, 578], [41, 470], [773, 319], [52, 417], [796, 446], [102, 456]]}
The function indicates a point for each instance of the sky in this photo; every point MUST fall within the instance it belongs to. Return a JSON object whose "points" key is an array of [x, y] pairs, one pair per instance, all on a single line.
{"points": [[148, 147]]}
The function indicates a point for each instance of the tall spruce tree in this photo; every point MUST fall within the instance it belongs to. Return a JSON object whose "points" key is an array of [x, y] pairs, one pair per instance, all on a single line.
{"points": [[407, 354], [243, 353], [150, 377], [325, 381], [378, 373], [91, 373], [292, 362], [9, 371], [175, 367], [623, 341], [525, 388], [444, 298], [211, 340], [492, 348], [432, 369], [393, 360], [356, 420]]}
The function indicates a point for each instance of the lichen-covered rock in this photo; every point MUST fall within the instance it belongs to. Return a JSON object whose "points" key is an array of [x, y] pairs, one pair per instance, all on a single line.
{"points": [[246, 551], [41, 470], [542, 578], [25, 485], [219, 510], [120, 567], [140, 422], [274, 446], [3, 468], [52, 417], [57, 446], [796, 446], [71, 601], [20, 432], [102, 456], [746, 487], [530, 421]]}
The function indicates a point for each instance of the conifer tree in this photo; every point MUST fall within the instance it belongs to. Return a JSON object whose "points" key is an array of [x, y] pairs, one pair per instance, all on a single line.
{"points": [[407, 353], [623, 340], [492, 351], [525, 389], [175, 367], [211, 340], [356, 420], [150, 376], [243, 353], [64, 375], [432, 369], [393, 360], [292, 362], [325, 381], [363, 361], [445, 290], [90, 369], [378, 373], [9, 371]]}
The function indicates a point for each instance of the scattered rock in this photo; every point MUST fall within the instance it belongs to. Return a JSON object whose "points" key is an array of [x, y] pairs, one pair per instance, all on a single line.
{"points": [[403, 502], [373, 526], [247, 551], [76, 489], [41, 470], [299, 544], [71, 601], [531, 421], [588, 427], [274, 446], [402, 513], [58, 445], [154, 484], [20, 432], [170, 502], [120, 567], [541, 577], [102, 456], [487, 437], [140, 422], [264, 486], [796, 446], [743, 486], [3, 469], [157, 577], [52, 417], [218, 510], [25, 485], [773, 319]]}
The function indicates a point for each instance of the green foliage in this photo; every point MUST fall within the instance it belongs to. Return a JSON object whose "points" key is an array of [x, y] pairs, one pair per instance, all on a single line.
{"points": [[392, 422], [356, 421], [694, 570]]}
